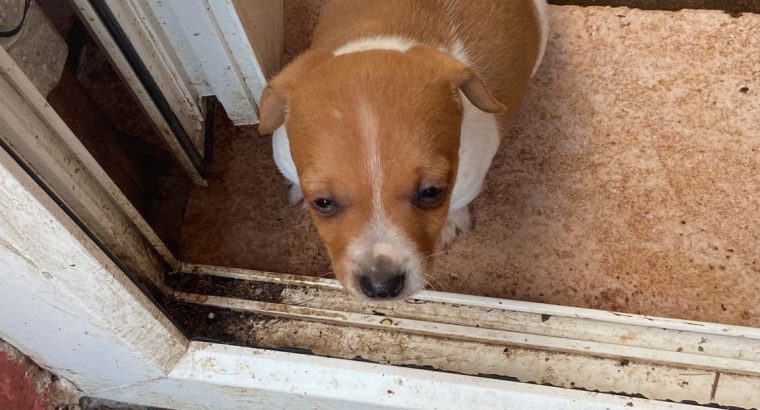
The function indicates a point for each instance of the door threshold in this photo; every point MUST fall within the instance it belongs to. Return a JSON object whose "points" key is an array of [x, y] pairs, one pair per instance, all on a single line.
{"points": [[229, 377], [572, 348]]}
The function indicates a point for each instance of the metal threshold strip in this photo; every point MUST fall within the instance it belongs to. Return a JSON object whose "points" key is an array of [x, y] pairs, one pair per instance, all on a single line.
{"points": [[657, 358]]}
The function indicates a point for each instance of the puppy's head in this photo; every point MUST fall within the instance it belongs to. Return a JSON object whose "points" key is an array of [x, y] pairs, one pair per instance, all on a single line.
{"points": [[375, 139]]}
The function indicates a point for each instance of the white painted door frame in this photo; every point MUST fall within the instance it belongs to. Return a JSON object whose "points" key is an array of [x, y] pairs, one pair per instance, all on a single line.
{"points": [[172, 54], [140, 54], [67, 301]]}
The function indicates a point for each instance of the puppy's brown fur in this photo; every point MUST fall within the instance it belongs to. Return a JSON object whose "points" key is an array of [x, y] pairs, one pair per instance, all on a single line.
{"points": [[405, 105]]}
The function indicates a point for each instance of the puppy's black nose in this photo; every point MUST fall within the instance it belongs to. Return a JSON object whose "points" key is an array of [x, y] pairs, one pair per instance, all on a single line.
{"points": [[382, 286]]}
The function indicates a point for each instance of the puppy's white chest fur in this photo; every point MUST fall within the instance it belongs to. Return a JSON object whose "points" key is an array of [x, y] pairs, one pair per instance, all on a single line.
{"points": [[284, 161], [477, 147]]}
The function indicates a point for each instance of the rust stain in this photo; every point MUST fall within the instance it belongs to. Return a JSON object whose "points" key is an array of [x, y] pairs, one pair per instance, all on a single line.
{"points": [[629, 336]]}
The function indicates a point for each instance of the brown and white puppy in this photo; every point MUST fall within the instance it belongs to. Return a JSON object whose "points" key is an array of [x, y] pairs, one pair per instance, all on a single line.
{"points": [[388, 124]]}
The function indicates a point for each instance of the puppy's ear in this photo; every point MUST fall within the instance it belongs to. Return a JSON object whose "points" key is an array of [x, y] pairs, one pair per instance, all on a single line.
{"points": [[272, 110], [475, 91], [461, 77], [275, 98]]}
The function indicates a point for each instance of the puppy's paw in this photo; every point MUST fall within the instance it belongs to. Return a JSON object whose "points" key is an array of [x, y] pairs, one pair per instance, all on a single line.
{"points": [[457, 222], [295, 195]]}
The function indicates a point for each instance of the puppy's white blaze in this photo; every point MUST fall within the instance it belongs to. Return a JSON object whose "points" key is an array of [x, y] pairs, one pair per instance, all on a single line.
{"points": [[396, 43], [369, 124], [381, 237]]}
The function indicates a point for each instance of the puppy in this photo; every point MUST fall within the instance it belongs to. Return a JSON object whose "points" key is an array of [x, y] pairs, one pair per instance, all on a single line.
{"points": [[387, 125]]}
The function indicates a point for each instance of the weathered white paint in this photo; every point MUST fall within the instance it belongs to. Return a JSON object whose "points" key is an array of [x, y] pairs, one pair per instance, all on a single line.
{"points": [[145, 32], [621, 349], [211, 41], [174, 35], [37, 134], [229, 377], [65, 304], [241, 49], [570, 347], [475, 358], [742, 391], [155, 56]]}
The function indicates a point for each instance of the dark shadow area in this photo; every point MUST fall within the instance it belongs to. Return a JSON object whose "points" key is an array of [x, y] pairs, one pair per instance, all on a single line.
{"points": [[102, 113]]}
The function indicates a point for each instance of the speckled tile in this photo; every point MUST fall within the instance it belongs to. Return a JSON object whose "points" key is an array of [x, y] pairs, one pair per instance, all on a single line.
{"points": [[630, 180]]}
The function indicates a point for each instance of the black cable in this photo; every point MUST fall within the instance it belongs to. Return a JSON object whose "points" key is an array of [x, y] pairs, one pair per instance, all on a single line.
{"points": [[12, 32]]}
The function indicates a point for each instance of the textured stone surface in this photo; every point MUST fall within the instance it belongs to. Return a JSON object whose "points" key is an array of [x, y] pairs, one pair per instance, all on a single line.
{"points": [[37, 49], [630, 180]]}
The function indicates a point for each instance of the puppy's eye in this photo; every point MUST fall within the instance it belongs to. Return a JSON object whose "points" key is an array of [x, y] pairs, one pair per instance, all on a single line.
{"points": [[429, 197], [325, 206]]}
